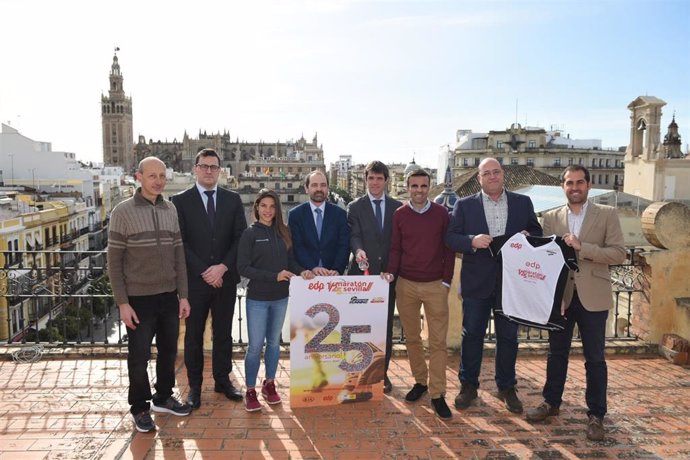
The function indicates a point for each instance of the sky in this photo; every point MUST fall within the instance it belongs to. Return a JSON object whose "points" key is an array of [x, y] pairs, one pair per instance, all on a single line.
{"points": [[376, 79]]}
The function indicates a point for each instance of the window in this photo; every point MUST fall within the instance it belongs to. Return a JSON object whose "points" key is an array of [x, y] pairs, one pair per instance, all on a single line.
{"points": [[465, 162], [258, 169], [601, 162], [615, 179], [557, 161], [579, 161], [500, 160], [608, 164], [289, 185], [291, 198], [261, 185], [499, 144], [513, 161], [530, 162], [594, 162], [277, 186], [606, 179], [570, 161], [532, 144], [477, 161]]}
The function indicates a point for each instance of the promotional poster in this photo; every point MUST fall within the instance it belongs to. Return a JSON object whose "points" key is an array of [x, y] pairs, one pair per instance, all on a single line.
{"points": [[337, 339]]}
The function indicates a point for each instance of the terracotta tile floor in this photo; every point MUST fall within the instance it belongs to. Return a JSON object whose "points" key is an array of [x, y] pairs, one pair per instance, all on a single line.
{"points": [[64, 409]]}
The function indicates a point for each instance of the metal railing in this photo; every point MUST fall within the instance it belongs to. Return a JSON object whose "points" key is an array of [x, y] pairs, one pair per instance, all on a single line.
{"points": [[63, 298]]}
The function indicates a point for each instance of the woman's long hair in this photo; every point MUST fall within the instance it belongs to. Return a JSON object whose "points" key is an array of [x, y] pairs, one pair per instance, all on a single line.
{"points": [[283, 230]]}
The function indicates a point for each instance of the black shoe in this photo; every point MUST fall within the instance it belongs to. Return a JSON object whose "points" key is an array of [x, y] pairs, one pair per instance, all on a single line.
{"points": [[387, 385], [172, 406], [468, 393], [229, 390], [441, 408], [194, 398], [143, 422], [416, 392], [511, 400]]}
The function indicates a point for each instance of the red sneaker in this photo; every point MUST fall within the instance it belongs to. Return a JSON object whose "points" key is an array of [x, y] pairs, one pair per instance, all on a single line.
{"points": [[268, 391], [251, 401]]}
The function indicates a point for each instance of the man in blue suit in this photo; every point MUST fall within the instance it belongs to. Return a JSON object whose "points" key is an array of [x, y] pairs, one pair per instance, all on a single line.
{"points": [[320, 234], [475, 221]]}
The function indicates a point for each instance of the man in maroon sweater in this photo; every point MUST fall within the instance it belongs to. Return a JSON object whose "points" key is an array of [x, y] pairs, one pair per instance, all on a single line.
{"points": [[424, 267]]}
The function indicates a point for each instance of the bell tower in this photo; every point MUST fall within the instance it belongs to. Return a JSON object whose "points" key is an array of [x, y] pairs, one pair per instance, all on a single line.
{"points": [[116, 115], [654, 170]]}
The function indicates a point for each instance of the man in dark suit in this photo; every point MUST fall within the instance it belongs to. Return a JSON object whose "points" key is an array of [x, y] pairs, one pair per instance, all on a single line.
{"points": [[475, 221], [371, 218], [211, 222], [320, 235]]}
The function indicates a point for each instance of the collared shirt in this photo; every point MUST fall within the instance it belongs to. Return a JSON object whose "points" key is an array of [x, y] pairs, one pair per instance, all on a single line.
{"points": [[423, 210], [373, 205], [496, 213], [313, 209], [575, 220], [204, 197]]}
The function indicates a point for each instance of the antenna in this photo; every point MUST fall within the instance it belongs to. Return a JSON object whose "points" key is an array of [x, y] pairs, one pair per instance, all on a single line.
{"points": [[516, 111]]}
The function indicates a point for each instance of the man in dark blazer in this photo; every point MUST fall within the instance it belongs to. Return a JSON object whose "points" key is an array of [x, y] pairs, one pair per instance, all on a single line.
{"points": [[475, 221], [211, 222], [371, 218], [323, 251]]}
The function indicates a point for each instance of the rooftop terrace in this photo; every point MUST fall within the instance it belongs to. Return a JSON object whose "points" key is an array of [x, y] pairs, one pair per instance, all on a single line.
{"points": [[77, 409]]}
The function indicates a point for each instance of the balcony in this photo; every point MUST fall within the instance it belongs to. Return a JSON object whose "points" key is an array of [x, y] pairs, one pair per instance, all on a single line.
{"points": [[67, 399]]}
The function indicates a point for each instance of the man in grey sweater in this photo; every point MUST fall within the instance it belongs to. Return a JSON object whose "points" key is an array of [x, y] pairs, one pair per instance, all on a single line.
{"points": [[148, 275]]}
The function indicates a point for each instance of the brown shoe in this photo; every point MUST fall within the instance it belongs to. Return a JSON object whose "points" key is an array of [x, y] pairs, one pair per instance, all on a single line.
{"points": [[468, 393], [542, 412], [595, 428]]}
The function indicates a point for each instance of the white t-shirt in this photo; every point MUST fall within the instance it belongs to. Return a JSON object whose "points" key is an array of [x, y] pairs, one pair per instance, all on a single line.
{"points": [[532, 278]]}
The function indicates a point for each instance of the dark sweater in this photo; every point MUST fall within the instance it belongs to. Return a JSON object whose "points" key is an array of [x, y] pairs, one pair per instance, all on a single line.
{"points": [[262, 254], [418, 252]]}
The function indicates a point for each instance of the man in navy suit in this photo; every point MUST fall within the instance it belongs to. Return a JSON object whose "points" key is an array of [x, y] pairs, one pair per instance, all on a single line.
{"points": [[211, 222], [475, 221], [371, 225], [320, 235]]}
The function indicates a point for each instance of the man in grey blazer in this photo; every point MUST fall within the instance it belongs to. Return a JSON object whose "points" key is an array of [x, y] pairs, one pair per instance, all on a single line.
{"points": [[594, 231], [211, 222], [370, 218]]}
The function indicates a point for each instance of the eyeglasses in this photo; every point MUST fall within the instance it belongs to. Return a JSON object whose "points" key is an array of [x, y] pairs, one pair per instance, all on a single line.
{"points": [[495, 172], [212, 168]]}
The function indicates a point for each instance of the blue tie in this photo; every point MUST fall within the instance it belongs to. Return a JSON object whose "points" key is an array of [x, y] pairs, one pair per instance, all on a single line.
{"points": [[379, 216], [210, 206], [319, 221]]}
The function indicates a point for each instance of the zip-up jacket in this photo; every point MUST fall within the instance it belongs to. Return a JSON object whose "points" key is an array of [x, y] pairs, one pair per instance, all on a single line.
{"points": [[261, 256]]}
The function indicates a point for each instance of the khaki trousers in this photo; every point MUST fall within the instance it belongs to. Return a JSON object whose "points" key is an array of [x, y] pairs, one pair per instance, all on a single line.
{"points": [[410, 295]]}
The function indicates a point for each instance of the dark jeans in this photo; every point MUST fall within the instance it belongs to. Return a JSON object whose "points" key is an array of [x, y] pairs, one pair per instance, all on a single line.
{"points": [[389, 324], [158, 316], [476, 314], [221, 303], [592, 325]]}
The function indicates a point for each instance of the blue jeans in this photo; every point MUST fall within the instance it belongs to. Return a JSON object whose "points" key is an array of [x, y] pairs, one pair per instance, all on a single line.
{"points": [[476, 313], [264, 323], [592, 326]]}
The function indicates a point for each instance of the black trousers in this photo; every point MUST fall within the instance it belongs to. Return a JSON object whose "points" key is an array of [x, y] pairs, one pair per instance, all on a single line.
{"points": [[389, 324], [592, 327], [158, 316], [220, 302]]}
